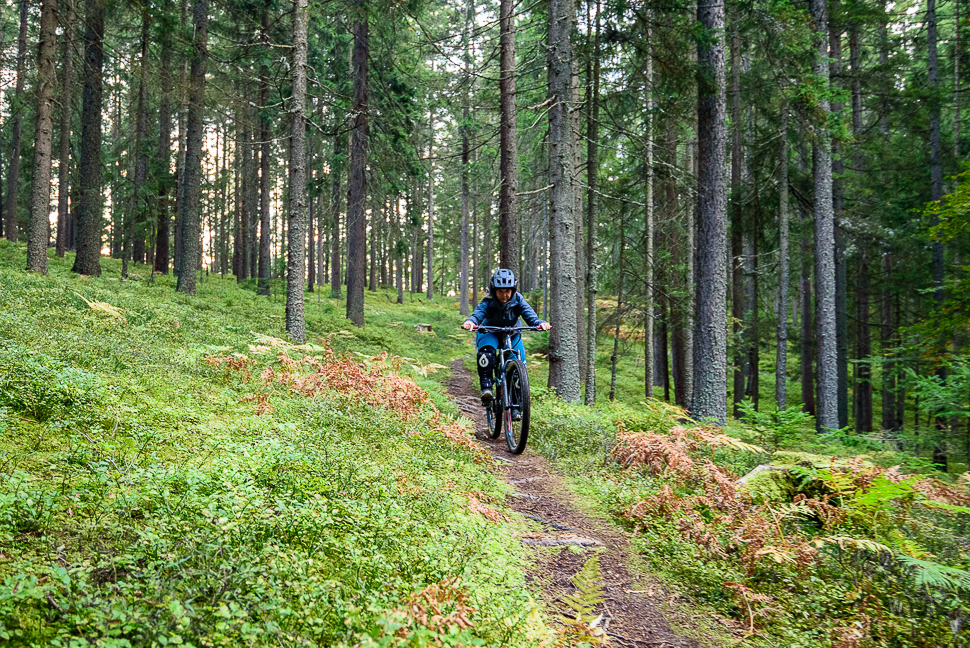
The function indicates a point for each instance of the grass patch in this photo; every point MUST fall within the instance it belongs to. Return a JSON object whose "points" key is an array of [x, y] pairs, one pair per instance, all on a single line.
{"points": [[150, 496]]}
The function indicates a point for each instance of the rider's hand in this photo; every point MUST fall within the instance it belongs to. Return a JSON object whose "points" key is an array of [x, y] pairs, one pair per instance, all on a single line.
{"points": [[545, 326], [469, 325]]}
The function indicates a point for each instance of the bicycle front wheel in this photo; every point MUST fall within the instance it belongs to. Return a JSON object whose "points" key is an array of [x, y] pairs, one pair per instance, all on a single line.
{"points": [[520, 404]]}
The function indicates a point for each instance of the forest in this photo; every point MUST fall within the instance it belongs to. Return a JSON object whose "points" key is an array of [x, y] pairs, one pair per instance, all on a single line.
{"points": [[749, 215]]}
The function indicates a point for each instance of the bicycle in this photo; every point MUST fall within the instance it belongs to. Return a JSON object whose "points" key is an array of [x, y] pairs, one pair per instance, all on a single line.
{"points": [[511, 390]]}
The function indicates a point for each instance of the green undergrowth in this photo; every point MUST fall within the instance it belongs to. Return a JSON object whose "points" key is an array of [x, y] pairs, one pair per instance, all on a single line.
{"points": [[150, 496], [853, 550]]}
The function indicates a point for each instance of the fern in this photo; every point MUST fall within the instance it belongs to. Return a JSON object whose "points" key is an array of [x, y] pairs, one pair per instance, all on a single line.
{"points": [[855, 543], [589, 590], [589, 593], [931, 574]]}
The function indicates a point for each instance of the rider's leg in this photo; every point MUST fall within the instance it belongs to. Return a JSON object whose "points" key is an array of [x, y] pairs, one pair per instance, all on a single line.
{"points": [[486, 366]]}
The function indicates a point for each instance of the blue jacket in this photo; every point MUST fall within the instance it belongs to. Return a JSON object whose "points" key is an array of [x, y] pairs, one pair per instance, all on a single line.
{"points": [[492, 312]]}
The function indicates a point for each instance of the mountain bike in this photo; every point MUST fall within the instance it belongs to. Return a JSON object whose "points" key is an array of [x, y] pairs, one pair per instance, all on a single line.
{"points": [[511, 391]]}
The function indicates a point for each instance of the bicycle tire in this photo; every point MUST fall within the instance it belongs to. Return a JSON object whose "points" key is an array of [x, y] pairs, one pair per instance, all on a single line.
{"points": [[517, 380], [493, 418]]}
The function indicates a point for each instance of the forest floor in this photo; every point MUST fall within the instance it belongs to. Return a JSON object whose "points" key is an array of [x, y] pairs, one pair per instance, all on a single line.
{"points": [[632, 610]]}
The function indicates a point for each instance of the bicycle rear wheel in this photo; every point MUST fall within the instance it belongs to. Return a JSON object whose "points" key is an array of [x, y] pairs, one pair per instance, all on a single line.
{"points": [[517, 382], [493, 417]]}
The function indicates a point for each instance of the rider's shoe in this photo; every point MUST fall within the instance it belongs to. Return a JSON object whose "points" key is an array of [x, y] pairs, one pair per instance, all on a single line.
{"points": [[487, 396], [516, 414]]}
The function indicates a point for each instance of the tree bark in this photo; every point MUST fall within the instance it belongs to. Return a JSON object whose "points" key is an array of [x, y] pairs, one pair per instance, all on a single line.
{"points": [[827, 418], [737, 226], [40, 194], [563, 346], [649, 306], [465, 151], [508, 147], [189, 214], [336, 172], [710, 325], [592, 181], [887, 341], [164, 154], [264, 270], [297, 225], [180, 159], [357, 190], [781, 334], [137, 206], [936, 193], [13, 177], [88, 258], [956, 79], [64, 146], [838, 207], [808, 330], [311, 262], [619, 312], [430, 293]]}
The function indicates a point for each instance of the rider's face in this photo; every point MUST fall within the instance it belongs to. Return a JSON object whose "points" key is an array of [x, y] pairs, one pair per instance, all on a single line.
{"points": [[503, 294]]}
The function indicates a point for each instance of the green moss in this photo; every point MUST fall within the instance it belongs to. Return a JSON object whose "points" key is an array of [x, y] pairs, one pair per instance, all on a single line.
{"points": [[770, 486]]}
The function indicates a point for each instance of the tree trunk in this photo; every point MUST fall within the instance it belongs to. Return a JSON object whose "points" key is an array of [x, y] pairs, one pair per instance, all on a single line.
{"points": [[297, 226], [649, 306], [465, 150], [619, 311], [336, 172], [357, 190], [264, 270], [691, 256], [19, 101], [678, 250], [826, 341], [838, 207], [887, 341], [508, 147], [781, 334], [580, 243], [863, 385], [88, 258], [137, 206], [563, 347], [430, 294], [737, 225], [40, 195], [311, 264], [936, 193], [189, 214], [710, 324], [180, 160], [64, 156], [592, 180], [956, 79], [164, 155]]}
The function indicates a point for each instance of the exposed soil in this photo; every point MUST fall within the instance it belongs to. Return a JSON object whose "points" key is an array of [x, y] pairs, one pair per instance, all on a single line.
{"points": [[631, 616]]}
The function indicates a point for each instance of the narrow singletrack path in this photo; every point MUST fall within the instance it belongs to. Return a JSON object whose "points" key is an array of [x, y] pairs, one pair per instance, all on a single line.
{"points": [[631, 615]]}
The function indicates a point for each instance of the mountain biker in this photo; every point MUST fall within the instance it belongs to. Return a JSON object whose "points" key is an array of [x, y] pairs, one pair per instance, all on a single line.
{"points": [[502, 307]]}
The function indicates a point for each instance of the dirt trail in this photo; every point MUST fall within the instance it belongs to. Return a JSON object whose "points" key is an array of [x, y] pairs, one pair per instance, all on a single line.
{"points": [[631, 620]]}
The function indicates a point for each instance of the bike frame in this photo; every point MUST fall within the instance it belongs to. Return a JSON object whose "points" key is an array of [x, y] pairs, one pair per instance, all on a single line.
{"points": [[505, 351]]}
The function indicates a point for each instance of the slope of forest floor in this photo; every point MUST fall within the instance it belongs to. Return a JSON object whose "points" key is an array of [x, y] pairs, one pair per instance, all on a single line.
{"points": [[173, 471]]}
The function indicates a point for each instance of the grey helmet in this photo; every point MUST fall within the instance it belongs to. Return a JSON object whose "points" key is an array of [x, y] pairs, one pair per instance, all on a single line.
{"points": [[503, 278]]}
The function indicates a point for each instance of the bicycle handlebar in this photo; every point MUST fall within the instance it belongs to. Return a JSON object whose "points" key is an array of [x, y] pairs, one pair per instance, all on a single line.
{"points": [[504, 329]]}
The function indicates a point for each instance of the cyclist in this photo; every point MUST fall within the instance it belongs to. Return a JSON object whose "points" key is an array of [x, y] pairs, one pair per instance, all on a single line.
{"points": [[502, 307]]}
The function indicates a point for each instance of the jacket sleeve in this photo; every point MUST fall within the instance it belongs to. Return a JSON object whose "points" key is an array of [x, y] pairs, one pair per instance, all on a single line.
{"points": [[528, 313], [479, 315]]}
